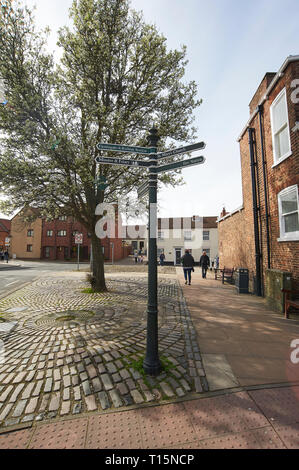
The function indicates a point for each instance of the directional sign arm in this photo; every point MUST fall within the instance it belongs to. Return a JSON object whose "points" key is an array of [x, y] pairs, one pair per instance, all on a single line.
{"points": [[121, 161], [125, 148], [178, 165], [181, 150]]}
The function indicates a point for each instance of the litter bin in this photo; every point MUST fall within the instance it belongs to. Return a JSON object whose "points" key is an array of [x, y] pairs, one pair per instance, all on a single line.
{"points": [[242, 280]]}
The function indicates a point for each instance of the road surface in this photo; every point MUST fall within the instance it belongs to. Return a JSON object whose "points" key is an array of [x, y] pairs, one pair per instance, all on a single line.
{"points": [[15, 274]]}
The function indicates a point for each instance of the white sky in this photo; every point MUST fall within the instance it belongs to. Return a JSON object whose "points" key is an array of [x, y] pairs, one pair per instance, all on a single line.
{"points": [[231, 44]]}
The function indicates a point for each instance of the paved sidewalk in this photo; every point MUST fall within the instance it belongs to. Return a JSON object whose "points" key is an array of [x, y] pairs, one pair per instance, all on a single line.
{"points": [[248, 395], [67, 351], [262, 419], [242, 341]]}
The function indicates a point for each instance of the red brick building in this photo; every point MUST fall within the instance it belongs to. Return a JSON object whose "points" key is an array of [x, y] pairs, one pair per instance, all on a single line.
{"points": [[263, 234], [58, 241], [4, 233], [40, 238]]}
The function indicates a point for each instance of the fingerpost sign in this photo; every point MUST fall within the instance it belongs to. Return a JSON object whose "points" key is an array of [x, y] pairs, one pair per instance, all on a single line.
{"points": [[151, 364]]}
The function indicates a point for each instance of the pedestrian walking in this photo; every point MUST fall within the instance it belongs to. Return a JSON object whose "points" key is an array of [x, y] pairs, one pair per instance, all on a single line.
{"points": [[6, 256], [188, 266], [136, 256], [162, 258], [204, 262]]}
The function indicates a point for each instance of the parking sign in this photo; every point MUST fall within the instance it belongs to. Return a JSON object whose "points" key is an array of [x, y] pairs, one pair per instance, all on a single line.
{"points": [[79, 238]]}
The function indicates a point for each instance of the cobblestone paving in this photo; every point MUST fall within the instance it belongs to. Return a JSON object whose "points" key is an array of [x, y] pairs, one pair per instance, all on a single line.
{"points": [[74, 352]]}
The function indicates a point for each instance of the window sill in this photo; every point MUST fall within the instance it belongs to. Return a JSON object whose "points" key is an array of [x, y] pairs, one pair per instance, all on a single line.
{"points": [[282, 159], [294, 239]]}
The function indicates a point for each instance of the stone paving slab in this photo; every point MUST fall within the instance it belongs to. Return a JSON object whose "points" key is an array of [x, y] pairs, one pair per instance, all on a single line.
{"points": [[230, 421], [280, 405], [7, 327], [218, 371], [226, 414], [167, 425], [16, 440], [63, 435], [114, 431], [73, 352]]}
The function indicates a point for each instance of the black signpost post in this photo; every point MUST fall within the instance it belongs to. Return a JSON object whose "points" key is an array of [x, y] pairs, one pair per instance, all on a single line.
{"points": [[151, 365]]}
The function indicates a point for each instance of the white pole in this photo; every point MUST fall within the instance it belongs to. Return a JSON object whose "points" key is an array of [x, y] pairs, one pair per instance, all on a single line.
{"points": [[78, 244]]}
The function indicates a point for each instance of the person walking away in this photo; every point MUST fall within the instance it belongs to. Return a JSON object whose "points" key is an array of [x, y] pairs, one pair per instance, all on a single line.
{"points": [[204, 262], [188, 266], [6, 256], [162, 258], [136, 256]]}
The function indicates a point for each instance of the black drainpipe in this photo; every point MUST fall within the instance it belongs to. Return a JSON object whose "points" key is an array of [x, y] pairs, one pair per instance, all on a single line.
{"points": [[255, 214], [260, 110]]}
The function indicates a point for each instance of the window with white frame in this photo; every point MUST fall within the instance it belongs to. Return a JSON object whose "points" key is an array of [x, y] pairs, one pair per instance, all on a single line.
{"points": [[280, 127], [288, 206], [206, 235], [61, 233], [187, 235], [160, 235]]}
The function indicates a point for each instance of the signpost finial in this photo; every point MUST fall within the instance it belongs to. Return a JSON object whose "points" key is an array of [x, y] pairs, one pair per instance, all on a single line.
{"points": [[153, 137]]}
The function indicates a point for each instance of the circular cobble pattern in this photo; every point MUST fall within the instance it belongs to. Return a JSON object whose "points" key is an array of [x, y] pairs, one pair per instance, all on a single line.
{"points": [[74, 352]]}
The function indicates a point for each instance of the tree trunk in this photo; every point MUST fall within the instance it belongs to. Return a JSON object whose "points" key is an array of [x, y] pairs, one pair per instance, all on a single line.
{"points": [[98, 273]]}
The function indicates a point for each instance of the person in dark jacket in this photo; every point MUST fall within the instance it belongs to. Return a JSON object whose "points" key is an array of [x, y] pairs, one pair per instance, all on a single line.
{"points": [[188, 263], [162, 258], [204, 262]]}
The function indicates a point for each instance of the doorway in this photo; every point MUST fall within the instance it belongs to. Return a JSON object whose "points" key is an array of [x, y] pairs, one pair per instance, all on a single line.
{"points": [[177, 256]]}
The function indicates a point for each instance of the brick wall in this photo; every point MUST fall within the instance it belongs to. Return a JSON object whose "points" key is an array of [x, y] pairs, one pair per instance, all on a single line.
{"points": [[3, 235], [260, 92], [64, 247], [20, 241], [236, 233]]}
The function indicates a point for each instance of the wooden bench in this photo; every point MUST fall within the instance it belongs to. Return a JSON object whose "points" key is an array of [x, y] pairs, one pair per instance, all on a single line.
{"points": [[289, 302], [225, 274]]}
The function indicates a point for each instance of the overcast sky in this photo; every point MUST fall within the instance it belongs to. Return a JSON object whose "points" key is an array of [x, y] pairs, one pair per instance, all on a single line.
{"points": [[231, 44]]}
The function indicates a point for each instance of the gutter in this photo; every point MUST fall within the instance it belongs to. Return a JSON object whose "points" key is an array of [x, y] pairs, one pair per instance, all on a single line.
{"points": [[253, 166], [289, 59]]}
